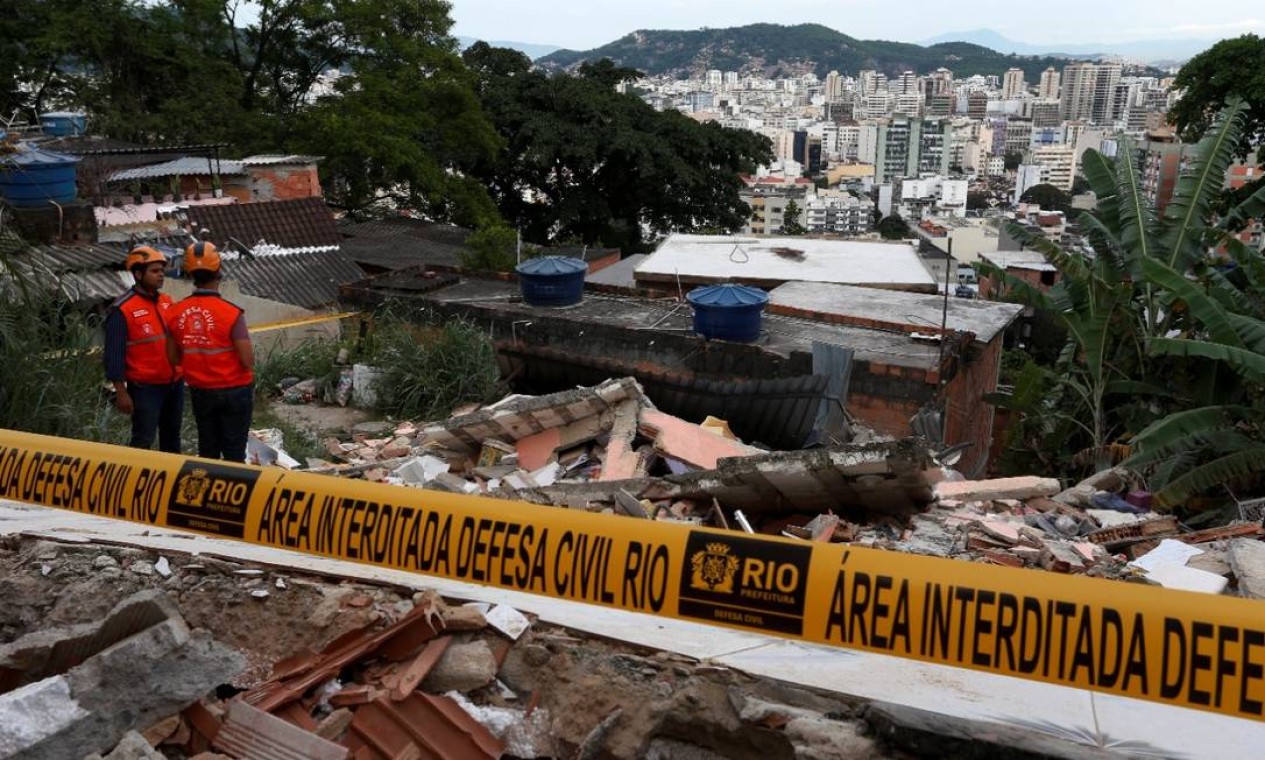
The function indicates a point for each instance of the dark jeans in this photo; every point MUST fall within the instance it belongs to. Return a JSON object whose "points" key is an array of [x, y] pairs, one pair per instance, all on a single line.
{"points": [[223, 417], [157, 409]]}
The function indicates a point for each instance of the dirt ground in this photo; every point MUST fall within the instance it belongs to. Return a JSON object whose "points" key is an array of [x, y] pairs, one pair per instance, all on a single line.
{"points": [[320, 420], [659, 705]]}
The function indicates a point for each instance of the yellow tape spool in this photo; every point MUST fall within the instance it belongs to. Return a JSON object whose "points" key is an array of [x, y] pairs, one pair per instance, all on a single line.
{"points": [[1174, 647]]}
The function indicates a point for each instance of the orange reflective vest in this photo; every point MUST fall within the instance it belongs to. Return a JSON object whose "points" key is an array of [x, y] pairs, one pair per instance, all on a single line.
{"points": [[146, 352], [202, 326]]}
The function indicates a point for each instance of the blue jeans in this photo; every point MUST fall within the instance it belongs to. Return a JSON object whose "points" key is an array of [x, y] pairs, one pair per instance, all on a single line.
{"points": [[223, 417], [156, 409]]}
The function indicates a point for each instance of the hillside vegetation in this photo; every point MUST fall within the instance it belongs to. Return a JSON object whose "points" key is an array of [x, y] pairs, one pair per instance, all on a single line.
{"points": [[776, 50]]}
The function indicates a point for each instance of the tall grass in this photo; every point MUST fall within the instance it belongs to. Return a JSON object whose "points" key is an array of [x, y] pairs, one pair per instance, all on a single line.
{"points": [[51, 381], [429, 370]]}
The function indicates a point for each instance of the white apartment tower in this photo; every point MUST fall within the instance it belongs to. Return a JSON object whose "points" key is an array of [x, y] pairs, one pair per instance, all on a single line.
{"points": [[1012, 84], [1049, 87], [1058, 163], [834, 87], [715, 79], [905, 84], [1089, 91]]}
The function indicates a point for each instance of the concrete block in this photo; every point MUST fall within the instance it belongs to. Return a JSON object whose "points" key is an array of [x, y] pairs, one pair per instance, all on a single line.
{"points": [[463, 667], [1247, 560], [1000, 488], [132, 684], [134, 747], [37, 712]]}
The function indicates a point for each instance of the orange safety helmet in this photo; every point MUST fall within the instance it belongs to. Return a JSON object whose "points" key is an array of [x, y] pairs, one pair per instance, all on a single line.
{"points": [[143, 255], [201, 256]]}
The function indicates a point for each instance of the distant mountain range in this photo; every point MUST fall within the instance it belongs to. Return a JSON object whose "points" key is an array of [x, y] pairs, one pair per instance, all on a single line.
{"points": [[1150, 51], [776, 50], [531, 50]]}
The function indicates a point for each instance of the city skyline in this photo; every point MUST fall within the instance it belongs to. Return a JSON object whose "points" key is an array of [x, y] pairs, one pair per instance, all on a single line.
{"points": [[581, 26]]}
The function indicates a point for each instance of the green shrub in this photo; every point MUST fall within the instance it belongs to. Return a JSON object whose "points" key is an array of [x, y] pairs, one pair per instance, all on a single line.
{"points": [[427, 371]]}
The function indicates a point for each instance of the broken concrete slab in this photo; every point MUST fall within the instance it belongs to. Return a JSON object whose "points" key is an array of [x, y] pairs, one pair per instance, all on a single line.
{"points": [[925, 734], [999, 488], [515, 418], [49, 652], [155, 673], [690, 443], [1247, 560], [535, 451], [621, 461]]}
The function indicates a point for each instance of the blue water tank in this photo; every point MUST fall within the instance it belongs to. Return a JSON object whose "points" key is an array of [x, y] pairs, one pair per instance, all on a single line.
{"points": [[728, 312], [552, 280], [64, 123], [32, 177]]}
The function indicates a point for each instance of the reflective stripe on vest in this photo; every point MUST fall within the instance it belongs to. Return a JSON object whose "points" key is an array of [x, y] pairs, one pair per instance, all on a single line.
{"points": [[202, 325], [145, 355]]}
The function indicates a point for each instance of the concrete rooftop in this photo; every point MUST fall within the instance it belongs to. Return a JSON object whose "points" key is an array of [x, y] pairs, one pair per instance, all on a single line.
{"points": [[781, 335], [774, 260], [983, 318]]}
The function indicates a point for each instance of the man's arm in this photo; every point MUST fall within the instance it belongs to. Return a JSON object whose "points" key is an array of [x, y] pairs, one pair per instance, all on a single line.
{"points": [[241, 341], [116, 358]]}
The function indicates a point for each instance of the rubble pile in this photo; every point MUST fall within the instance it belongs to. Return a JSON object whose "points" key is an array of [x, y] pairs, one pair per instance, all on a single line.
{"points": [[384, 672], [609, 449]]}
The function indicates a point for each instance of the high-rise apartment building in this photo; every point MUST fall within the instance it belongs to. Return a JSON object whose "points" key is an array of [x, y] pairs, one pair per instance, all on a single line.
{"points": [[834, 87], [1089, 91], [905, 84], [1059, 163], [977, 105], [1044, 113], [1012, 84], [897, 150], [1049, 87], [715, 79]]}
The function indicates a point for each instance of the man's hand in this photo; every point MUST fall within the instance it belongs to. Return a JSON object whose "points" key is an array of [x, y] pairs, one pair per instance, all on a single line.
{"points": [[123, 400]]}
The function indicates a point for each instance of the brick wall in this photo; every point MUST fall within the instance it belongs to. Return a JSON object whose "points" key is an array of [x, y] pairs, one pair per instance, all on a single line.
{"points": [[968, 417], [283, 183]]}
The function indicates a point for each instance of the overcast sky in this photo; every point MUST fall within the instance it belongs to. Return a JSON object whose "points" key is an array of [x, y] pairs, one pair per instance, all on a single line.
{"points": [[584, 24]]}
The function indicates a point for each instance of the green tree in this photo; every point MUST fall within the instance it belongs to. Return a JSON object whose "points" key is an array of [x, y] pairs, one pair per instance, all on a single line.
{"points": [[580, 160], [1047, 196], [978, 201], [1012, 159], [1233, 68], [1119, 371], [491, 249], [790, 219], [893, 228]]}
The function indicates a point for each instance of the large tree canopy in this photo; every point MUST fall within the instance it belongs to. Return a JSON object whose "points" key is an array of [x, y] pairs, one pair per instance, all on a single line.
{"points": [[402, 122], [581, 161], [1047, 196], [1232, 68]]}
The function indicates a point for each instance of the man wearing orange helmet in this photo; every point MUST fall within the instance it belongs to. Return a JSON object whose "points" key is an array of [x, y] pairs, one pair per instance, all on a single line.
{"points": [[213, 346], [147, 384]]}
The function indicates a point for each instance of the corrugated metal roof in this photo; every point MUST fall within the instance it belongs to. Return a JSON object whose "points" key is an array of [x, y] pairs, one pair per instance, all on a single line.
{"points": [[401, 242], [66, 258], [266, 159], [309, 280], [85, 286], [290, 224], [179, 166]]}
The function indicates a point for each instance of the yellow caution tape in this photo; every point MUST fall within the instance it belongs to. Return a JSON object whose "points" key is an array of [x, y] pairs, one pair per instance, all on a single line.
{"points": [[1180, 648], [301, 321]]}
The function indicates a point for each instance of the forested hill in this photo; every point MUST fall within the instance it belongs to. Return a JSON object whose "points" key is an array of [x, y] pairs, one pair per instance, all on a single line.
{"points": [[776, 50]]}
